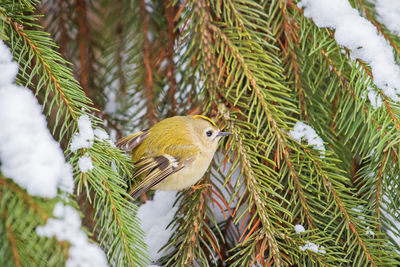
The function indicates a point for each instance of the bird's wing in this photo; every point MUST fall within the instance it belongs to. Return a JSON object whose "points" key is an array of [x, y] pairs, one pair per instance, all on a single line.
{"points": [[131, 141], [156, 169]]}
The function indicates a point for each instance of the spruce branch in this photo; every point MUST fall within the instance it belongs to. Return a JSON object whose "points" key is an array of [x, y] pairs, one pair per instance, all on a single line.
{"points": [[35, 47], [365, 114], [257, 195]]}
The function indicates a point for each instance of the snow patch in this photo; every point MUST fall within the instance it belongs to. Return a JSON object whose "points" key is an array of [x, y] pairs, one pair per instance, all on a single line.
{"points": [[101, 135], [85, 163], [313, 247], [302, 130], [155, 215], [67, 227], [85, 137], [374, 98], [299, 228]]}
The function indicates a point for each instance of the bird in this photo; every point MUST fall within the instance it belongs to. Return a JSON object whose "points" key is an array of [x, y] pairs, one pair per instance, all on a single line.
{"points": [[173, 154]]}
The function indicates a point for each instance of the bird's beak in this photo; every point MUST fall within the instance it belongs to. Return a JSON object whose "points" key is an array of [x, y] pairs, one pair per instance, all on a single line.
{"points": [[223, 133]]}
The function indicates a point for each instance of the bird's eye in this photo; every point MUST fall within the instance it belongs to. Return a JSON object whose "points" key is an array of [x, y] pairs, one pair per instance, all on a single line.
{"points": [[209, 133]]}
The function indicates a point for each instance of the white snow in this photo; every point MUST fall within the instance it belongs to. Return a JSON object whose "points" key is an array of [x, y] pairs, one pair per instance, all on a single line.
{"points": [[155, 215], [309, 245], [85, 137], [101, 135], [360, 37], [28, 153], [8, 68], [313, 247], [389, 14], [299, 228], [302, 130], [369, 232], [67, 227], [85, 163], [66, 183], [374, 98]]}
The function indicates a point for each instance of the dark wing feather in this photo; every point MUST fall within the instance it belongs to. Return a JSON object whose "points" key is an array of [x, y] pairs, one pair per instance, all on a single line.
{"points": [[156, 169], [131, 141]]}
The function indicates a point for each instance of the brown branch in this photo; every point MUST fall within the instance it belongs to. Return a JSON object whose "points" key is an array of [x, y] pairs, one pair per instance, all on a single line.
{"points": [[206, 40], [178, 13], [64, 34], [148, 71], [362, 65], [119, 55], [384, 98], [298, 84], [379, 181], [389, 109], [83, 35], [170, 11]]}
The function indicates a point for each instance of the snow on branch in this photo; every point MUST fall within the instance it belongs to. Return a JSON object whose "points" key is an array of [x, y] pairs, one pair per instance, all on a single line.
{"points": [[309, 245], [302, 130], [34, 160], [85, 137], [299, 228], [28, 153], [313, 247], [360, 37]]}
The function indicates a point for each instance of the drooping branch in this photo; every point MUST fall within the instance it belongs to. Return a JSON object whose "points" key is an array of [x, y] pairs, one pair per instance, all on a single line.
{"points": [[170, 11], [151, 111]]}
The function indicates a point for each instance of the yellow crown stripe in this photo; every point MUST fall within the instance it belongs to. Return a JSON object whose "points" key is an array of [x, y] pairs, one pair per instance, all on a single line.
{"points": [[204, 118]]}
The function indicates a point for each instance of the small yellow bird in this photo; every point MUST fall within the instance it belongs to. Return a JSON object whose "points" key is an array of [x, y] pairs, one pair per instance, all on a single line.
{"points": [[173, 154]]}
